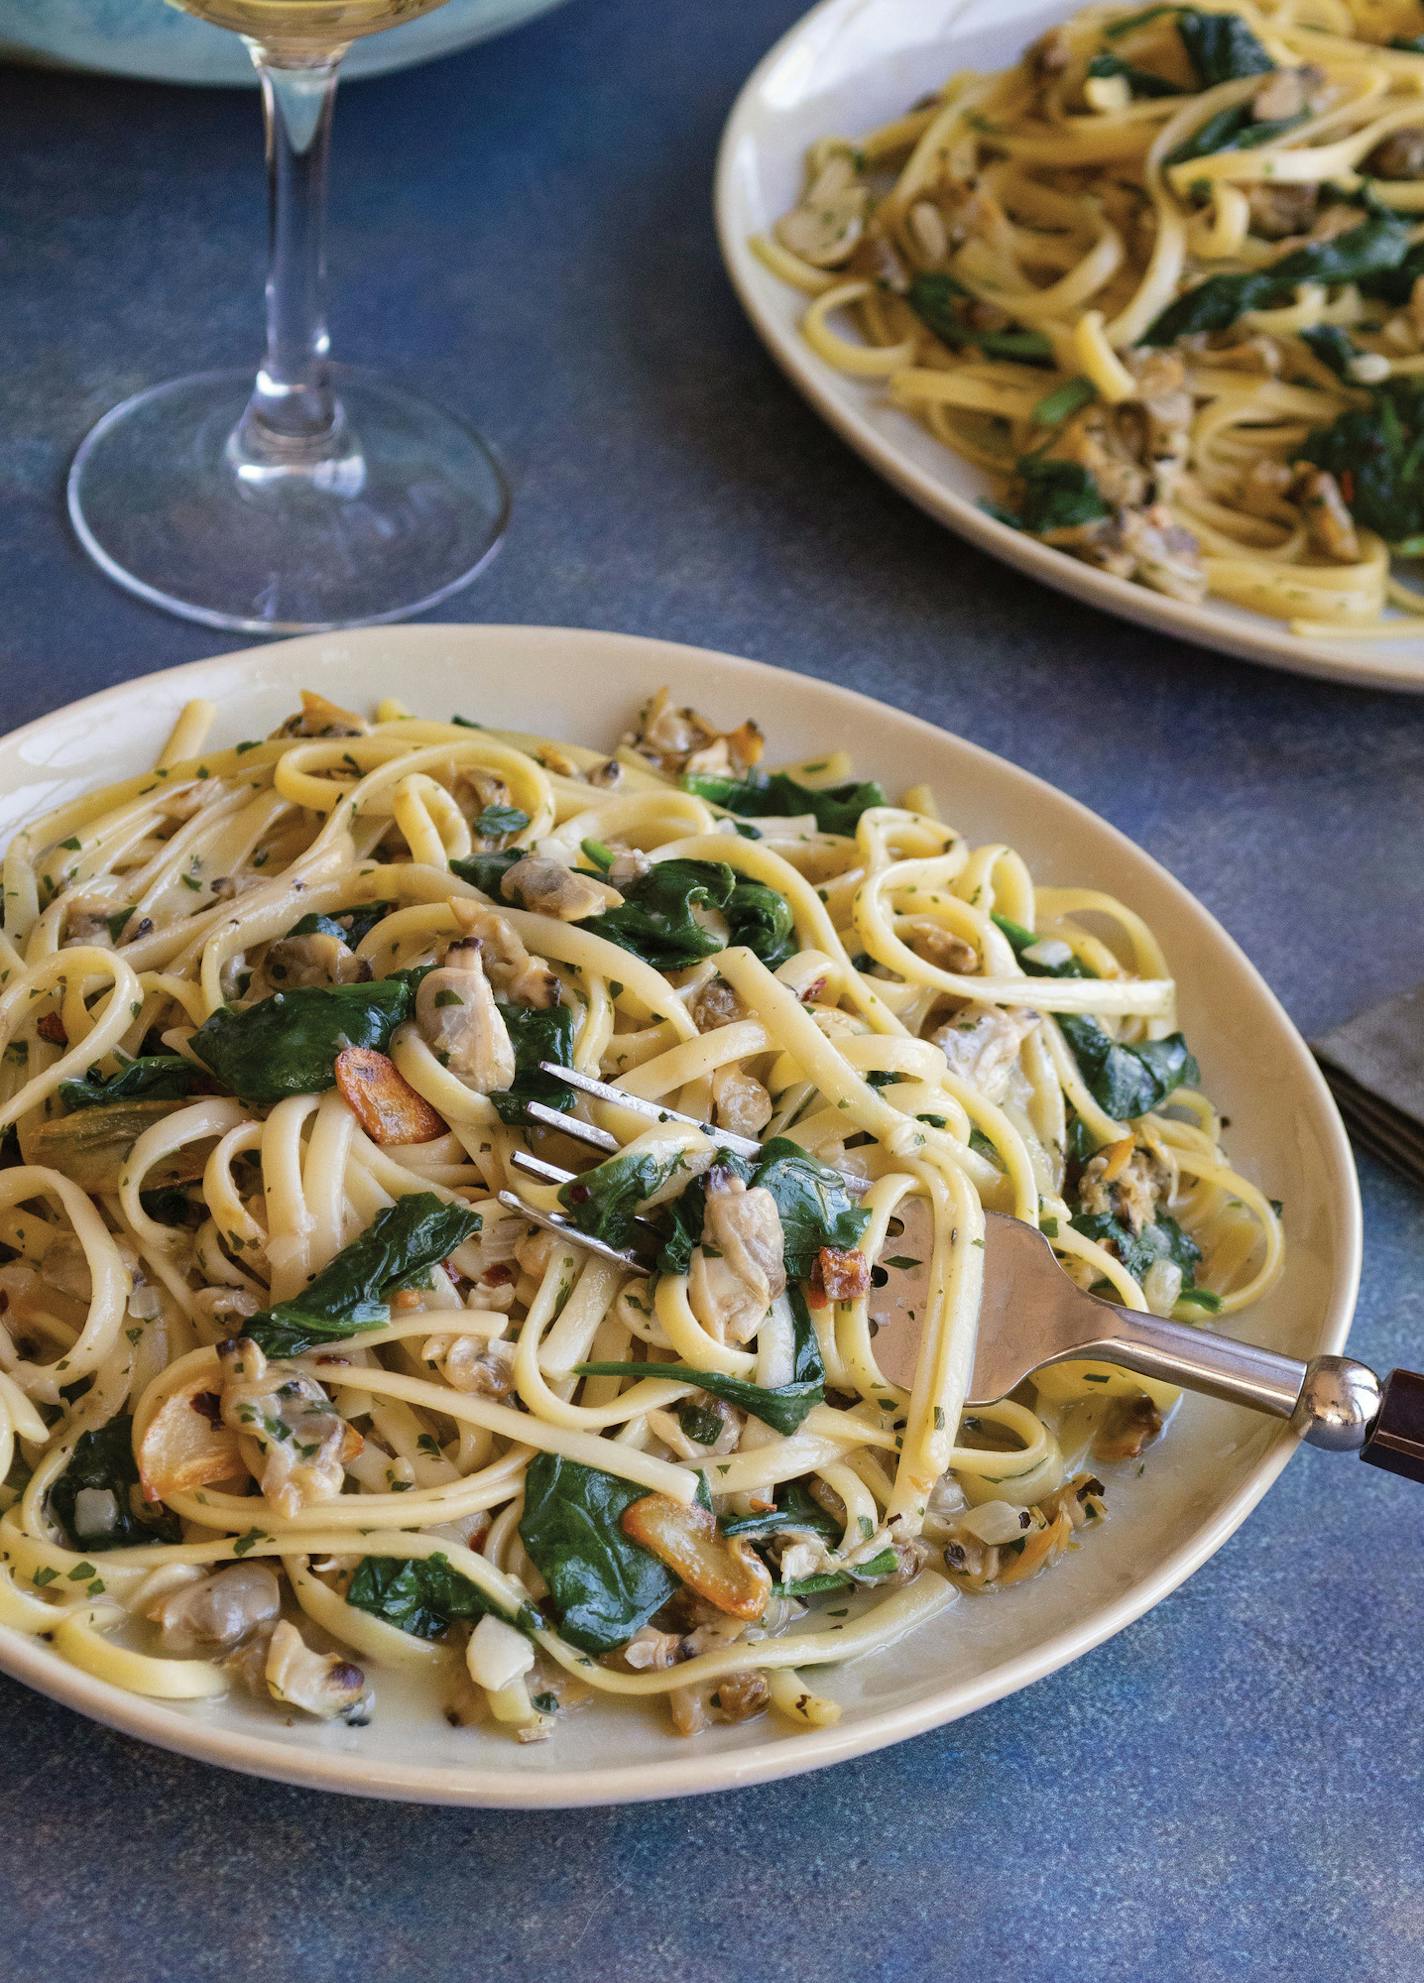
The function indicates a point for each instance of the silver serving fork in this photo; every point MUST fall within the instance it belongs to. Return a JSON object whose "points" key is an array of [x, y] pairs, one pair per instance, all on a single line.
{"points": [[1033, 1315]]}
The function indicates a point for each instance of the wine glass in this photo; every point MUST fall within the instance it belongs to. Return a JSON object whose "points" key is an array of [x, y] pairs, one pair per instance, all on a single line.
{"points": [[316, 496]]}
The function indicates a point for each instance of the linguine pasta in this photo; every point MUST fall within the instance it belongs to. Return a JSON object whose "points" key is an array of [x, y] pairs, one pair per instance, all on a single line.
{"points": [[289, 1399], [1164, 276]]}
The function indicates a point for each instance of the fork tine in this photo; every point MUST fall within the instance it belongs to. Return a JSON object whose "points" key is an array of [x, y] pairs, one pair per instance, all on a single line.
{"points": [[601, 1091], [572, 1125], [546, 1173], [552, 1222]]}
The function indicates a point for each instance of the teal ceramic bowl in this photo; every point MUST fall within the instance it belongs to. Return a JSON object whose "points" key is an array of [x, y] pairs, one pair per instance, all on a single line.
{"points": [[148, 39]]}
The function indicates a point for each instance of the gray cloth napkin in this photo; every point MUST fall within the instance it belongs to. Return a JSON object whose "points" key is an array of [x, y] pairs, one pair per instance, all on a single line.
{"points": [[1375, 1067]]}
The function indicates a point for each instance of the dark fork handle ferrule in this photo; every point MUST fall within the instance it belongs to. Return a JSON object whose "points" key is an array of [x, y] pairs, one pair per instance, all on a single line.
{"points": [[1395, 1440]]}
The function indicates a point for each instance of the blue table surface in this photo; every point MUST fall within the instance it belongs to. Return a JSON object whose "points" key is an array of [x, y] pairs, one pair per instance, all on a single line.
{"points": [[1231, 1788]]}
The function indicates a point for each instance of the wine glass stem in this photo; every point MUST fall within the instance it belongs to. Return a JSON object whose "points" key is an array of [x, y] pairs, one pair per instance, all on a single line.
{"points": [[293, 415]]}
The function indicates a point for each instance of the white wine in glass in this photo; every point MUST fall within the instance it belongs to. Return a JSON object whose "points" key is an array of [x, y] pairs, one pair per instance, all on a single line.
{"points": [[318, 25], [313, 496]]}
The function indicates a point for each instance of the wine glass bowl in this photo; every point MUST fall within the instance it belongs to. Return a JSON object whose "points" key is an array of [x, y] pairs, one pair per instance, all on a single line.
{"points": [[310, 497]]}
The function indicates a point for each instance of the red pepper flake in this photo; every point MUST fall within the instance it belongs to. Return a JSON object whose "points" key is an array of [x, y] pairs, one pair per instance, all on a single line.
{"points": [[51, 1028]]}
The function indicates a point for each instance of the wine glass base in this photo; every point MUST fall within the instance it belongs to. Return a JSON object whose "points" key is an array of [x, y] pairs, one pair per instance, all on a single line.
{"points": [[161, 504]]}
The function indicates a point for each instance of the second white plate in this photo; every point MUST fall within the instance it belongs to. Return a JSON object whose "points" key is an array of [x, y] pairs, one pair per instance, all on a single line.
{"points": [[846, 67]]}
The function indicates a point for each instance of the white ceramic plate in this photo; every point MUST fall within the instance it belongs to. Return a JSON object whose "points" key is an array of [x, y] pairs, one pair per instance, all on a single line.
{"points": [[847, 67], [1217, 1461]]}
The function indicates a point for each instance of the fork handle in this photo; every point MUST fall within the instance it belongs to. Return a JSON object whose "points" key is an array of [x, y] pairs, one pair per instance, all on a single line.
{"points": [[1333, 1401]]}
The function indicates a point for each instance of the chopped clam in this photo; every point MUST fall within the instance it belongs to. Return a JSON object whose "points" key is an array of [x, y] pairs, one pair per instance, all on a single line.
{"points": [[294, 961], [218, 1612], [982, 1044], [548, 888], [830, 220], [1328, 523], [511, 970], [739, 1102], [480, 1366], [940, 947], [739, 1269], [304, 1441], [1127, 1181], [679, 740], [456, 1012], [323, 1684], [320, 718], [716, 1004]]}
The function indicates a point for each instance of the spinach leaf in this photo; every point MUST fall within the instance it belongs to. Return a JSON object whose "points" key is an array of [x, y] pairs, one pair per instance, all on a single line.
{"points": [[1140, 82], [170, 1205], [1163, 1240], [497, 821], [1127, 1081], [421, 1595], [536, 1034], [348, 926], [1332, 346], [1374, 248], [1056, 495], [761, 918], [1063, 402], [1412, 44], [883, 1564], [699, 1423], [1221, 47], [1232, 129], [154, 1077], [940, 302], [603, 1584], [401, 1244], [1026, 347], [795, 1510], [680, 1222], [603, 1202], [1396, 285], [782, 1406], [103, 1460], [776, 795], [1378, 458], [655, 920], [287, 1044], [814, 1202], [487, 871]]}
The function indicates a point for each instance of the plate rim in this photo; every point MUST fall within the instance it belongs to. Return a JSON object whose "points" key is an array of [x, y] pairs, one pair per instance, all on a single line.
{"points": [[1206, 625], [794, 1753]]}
